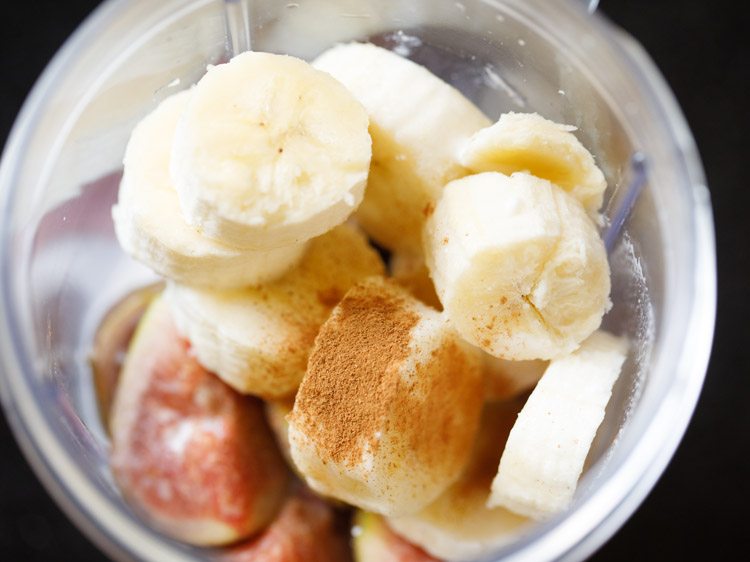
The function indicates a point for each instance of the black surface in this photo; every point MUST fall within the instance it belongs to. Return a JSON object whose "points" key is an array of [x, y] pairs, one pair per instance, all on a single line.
{"points": [[696, 510]]}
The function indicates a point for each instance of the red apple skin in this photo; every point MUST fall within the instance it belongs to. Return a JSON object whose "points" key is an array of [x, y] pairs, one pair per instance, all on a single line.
{"points": [[375, 542], [189, 453], [305, 531]]}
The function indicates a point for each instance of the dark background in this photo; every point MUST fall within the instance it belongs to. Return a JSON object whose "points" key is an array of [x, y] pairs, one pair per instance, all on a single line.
{"points": [[697, 510]]}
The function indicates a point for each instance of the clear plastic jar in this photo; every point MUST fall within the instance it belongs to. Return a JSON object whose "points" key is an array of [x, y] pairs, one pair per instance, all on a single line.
{"points": [[61, 268]]}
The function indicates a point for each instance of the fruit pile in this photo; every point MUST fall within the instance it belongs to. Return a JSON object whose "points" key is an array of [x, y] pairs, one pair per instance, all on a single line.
{"points": [[282, 340]]}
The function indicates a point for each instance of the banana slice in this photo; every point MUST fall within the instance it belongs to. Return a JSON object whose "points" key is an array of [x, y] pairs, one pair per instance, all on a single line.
{"points": [[257, 339], [518, 265], [418, 124], [547, 447], [150, 227], [506, 379], [269, 152], [410, 271], [459, 526], [387, 412], [527, 142]]}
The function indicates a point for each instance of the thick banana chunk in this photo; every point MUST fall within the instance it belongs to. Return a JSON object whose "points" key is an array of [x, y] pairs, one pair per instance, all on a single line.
{"points": [[548, 444], [459, 526], [527, 142], [418, 124], [257, 339], [518, 265], [270, 152], [386, 415], [505, 379], [151, 229]]}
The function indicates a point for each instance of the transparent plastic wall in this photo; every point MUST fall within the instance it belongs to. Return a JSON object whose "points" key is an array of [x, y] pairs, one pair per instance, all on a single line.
{"points": [[61, 266]]}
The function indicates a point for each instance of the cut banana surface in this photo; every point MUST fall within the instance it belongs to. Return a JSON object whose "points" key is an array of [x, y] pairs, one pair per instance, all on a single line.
{"points": [[548, 444], [527, 142], [458, 526], [418, 124], [151, 228], [258, 338], [518, 265], [269, 152], [388, 410]]}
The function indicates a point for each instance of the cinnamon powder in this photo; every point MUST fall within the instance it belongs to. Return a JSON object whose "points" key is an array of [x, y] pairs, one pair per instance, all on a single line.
{"points": [[440, 413], [352, 376], [354, 388]]}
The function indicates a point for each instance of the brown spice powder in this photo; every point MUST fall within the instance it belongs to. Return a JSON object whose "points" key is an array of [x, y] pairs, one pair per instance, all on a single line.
{"points": [[440, 414], [352, 379]]}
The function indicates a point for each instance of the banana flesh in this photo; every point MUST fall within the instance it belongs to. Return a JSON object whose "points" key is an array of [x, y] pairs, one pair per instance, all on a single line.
{"points": [[387, 412], [236, 192], [518, 265], [549, 442], [257, 339], [458, 526], [150, 227], [418, 124], [527, 142], [269, 152]]}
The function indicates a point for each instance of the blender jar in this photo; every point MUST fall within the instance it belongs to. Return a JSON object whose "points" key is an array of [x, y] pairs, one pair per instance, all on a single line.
{"points": [[61, 267]]}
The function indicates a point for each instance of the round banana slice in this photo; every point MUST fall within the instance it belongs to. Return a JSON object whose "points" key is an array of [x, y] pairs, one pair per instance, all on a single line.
{"points": [[269, 152], [257, 339], [518, 265], [418, 124], [458, 526], [150, 227], [550, 440], [387, 413], [527, 142]]}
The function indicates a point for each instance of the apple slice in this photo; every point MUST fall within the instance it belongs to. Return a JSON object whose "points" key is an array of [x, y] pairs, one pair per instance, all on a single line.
{"points": [[111, 342], [276, 413], [375, 542], [192, 455], [306, 530]]}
